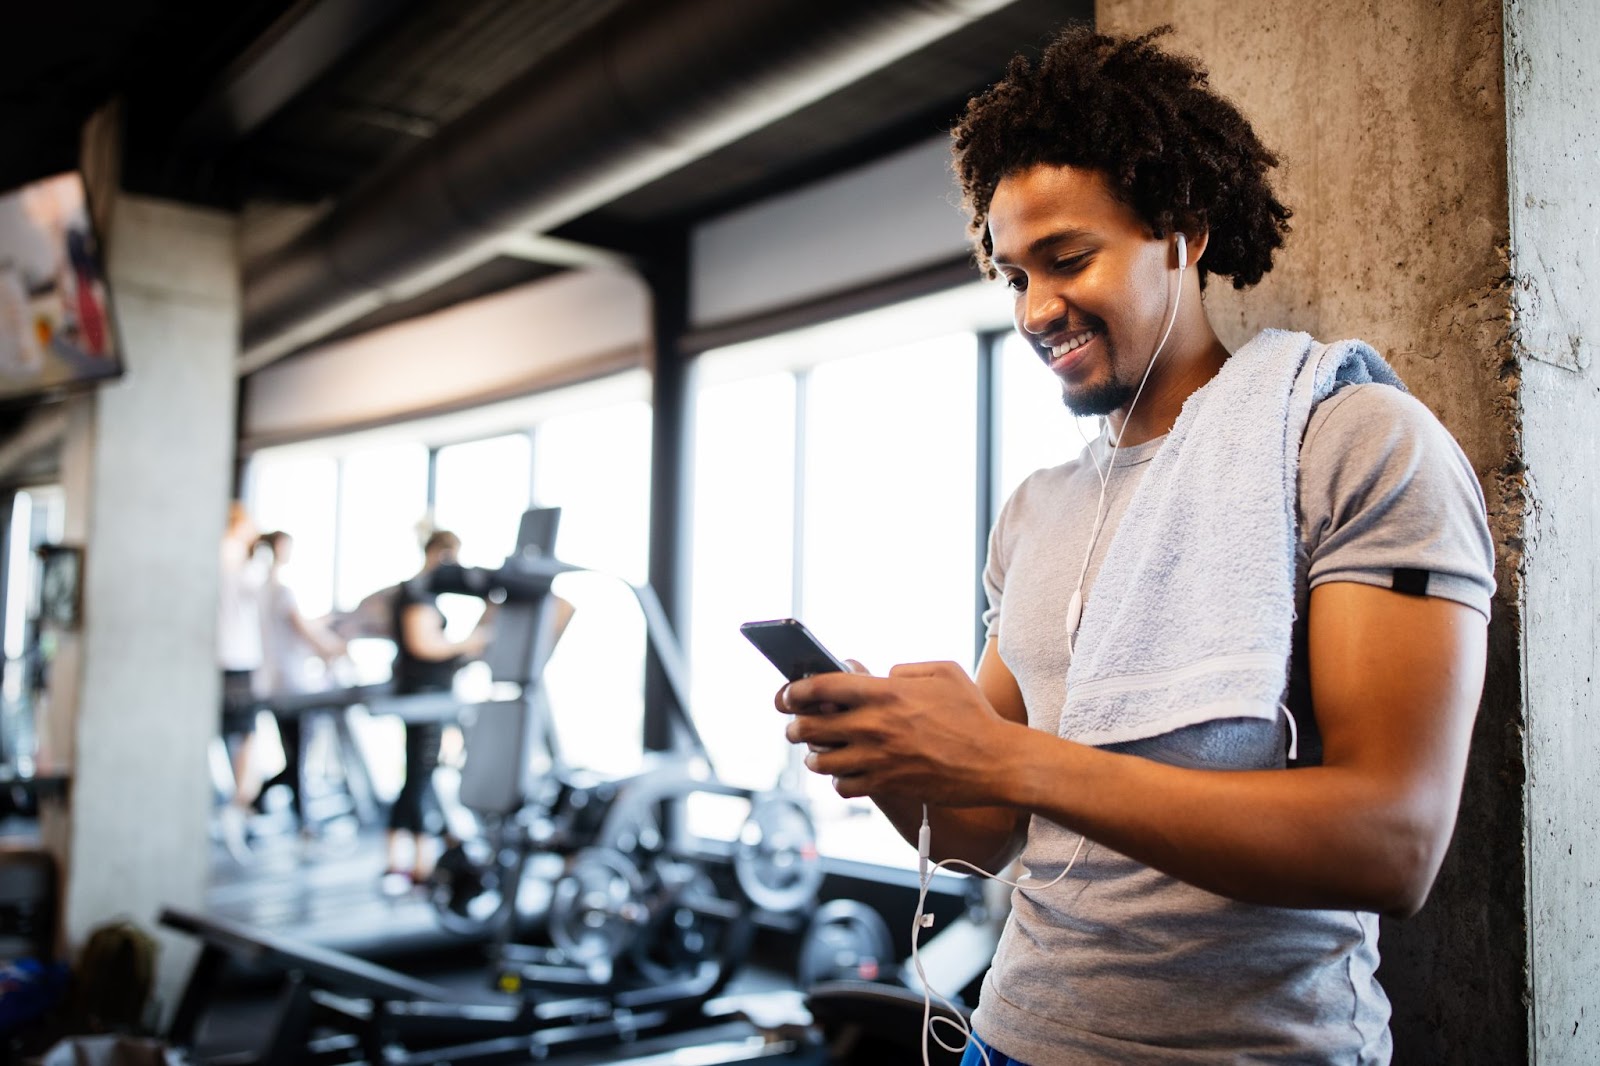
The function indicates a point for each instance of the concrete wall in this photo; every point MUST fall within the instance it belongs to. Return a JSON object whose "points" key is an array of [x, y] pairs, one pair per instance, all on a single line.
{"points": [[1553, 95], [1390, 120], [146, 468]]}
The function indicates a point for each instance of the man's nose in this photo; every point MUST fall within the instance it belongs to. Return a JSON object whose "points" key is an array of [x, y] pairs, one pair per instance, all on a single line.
{"points": [[1042, 310]]}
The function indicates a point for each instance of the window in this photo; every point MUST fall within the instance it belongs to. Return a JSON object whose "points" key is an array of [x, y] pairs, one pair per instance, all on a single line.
{"points": [[843, 493], [359, 505], [890, 503], [1034, 428], [889, 527], [743, 562], [595, 466], [38, 516], [480, 492], [298, 494], [383, 505]]}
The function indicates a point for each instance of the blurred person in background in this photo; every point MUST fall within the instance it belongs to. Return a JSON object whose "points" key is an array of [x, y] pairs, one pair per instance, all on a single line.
{"points": [[291, 643], [426, 660], [242, 577]]}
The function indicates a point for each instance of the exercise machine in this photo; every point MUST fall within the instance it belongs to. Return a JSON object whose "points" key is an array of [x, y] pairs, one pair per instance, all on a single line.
{"points": [[333, 1008], [638, 927], [622, 897]]}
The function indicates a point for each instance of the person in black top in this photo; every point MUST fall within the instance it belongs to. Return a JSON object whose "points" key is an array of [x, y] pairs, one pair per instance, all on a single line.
{"points": [[425, 661]]}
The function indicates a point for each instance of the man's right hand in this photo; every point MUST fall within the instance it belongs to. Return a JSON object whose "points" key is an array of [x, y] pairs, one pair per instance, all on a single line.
{"points": [[987, 836]]}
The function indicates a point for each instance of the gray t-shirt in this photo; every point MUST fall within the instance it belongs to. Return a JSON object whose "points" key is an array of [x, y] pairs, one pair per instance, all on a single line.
{"points": [[1120, 963]]}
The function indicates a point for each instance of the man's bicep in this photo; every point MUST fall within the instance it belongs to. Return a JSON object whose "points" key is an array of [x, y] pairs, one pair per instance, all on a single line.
{"points": [[1387, 498], [998, 686], [1395, 684]]}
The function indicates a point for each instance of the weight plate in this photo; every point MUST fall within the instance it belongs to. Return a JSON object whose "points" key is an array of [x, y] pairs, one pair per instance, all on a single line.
{"points": [[598, 906], [846, 940], [775, 858], [467, 888], [680, 935]]}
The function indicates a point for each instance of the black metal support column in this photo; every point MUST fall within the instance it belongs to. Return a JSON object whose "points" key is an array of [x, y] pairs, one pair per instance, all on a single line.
{"points": [[988, 461], [8, 501], [666, 270], [432, 495], [240, 482]]}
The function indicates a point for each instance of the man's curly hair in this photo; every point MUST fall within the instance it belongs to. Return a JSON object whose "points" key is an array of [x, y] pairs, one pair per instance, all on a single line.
{"points": [[1182, 157]]}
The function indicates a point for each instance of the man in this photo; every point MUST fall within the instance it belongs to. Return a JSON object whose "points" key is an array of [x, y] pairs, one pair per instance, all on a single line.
{"points": [[1225, 856]]}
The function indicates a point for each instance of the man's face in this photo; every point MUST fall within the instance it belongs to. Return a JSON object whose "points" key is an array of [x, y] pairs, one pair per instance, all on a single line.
{"points": [[1090, 284]]}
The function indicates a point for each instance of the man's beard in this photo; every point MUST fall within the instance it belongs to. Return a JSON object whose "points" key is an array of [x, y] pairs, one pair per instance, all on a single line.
{"points": [[1099, 399]]}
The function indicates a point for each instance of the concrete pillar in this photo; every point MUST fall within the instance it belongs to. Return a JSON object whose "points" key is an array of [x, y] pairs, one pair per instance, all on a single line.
{"points": [[1391, 120], [146, 467], [1552, 97]]}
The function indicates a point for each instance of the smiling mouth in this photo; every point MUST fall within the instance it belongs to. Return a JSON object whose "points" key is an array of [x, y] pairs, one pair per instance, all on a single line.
{"points": [[1069, 351]]}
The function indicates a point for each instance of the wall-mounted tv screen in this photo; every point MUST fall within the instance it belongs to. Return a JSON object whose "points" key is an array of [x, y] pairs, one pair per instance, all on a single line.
{"points": [[56, 328]]}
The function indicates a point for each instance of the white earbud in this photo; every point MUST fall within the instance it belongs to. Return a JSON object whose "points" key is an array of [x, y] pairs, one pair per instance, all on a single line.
{"points": [[1183, 252]]}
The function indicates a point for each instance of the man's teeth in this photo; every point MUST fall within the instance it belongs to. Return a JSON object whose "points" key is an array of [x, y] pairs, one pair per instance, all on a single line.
{"points": [[1077, 340]]}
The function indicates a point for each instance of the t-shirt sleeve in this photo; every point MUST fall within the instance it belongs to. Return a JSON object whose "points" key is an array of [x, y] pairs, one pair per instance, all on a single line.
{"points": [[1387, 498], [994, 569]]}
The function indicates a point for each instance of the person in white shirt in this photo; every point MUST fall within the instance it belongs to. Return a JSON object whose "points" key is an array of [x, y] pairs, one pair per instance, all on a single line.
{"points": [[291, 643], [239, 654]]}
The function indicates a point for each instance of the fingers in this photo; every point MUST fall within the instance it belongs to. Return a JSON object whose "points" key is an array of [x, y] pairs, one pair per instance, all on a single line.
{"points": [[852, 787], [813, 695], [821, 730], [781, 702], [837, 762], [824, 693]]}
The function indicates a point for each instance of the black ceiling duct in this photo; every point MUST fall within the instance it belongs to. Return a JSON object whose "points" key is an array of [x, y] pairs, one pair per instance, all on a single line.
{"points": [[645, 92]]}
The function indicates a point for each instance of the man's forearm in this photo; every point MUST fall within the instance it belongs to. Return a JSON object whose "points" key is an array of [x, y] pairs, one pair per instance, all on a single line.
{"points": [[986, 837], [1316, 837]]}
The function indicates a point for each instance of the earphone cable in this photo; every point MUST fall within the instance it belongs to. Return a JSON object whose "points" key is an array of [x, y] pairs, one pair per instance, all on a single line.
{"points": [[922, 920], [1075, 608]]}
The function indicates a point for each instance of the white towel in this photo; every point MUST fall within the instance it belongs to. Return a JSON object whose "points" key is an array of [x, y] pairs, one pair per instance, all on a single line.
{"points": [[1191, 616]]}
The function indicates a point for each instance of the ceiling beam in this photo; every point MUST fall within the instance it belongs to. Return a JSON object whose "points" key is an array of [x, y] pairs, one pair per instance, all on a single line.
{"points": [[636, 98], [557, 251], [298, 50]]}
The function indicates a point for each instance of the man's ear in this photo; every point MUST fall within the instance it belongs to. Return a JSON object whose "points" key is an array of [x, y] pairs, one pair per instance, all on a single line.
{"points": [[1196, 244]]}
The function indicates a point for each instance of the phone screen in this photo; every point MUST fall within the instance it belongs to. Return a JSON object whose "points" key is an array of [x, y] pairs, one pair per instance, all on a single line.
{"points": [[790, 647]]}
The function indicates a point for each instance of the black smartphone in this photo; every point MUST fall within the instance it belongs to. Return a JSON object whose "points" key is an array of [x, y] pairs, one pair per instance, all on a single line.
{"points": [[791, 648]]}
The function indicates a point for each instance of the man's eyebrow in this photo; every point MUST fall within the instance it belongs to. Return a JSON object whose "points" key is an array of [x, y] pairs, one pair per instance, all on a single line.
{"points": [[1048, 241]]}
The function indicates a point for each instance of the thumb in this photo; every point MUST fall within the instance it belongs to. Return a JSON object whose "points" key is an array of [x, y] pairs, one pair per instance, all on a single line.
{"points": [[856, 667]]}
